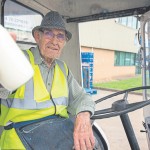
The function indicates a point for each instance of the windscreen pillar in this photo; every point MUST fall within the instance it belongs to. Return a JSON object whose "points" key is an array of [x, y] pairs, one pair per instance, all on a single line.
{"points": [[71, 52]]}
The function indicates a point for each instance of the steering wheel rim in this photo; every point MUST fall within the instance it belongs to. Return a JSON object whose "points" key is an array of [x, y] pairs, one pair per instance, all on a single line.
{"points": [[123, 106]]}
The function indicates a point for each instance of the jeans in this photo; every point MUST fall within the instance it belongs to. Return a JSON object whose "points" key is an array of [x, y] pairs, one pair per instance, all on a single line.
{"points": [[53, 134]]}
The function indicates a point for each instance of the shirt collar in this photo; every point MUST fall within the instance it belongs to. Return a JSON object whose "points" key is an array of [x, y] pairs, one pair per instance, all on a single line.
{"points": [[37, 56]]}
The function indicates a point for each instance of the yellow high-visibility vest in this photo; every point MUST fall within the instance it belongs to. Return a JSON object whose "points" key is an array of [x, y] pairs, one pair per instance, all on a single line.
{"points": [[33, 101]]}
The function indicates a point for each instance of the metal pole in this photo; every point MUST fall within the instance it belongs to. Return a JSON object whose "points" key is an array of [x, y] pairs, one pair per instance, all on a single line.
{"points": [[129, 132]]}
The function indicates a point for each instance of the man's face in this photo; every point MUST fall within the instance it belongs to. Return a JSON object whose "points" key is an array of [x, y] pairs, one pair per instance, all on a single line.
{"points": [[50, 42]]}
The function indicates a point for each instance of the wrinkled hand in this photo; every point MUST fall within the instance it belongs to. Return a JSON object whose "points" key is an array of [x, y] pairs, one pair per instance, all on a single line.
{"points": [[83, 134], [13, 35]]}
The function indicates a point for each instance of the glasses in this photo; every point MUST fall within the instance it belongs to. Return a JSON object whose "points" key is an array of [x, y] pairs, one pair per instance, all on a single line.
{"points": [[50, 35]]}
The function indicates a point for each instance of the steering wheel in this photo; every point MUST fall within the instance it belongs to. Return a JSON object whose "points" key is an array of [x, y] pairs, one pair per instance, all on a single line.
{"points": [[121, 106]]}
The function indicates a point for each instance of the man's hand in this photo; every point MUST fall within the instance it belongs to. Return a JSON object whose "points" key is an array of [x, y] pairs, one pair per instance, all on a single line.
{"points": [[83, 134], [13, 35]]}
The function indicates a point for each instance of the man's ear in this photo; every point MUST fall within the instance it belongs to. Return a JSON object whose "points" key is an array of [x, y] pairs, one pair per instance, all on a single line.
{"points": [[36, 35]]}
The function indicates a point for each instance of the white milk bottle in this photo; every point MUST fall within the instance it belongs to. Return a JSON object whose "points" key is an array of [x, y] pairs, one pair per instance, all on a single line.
{"points": [[15, 69]]}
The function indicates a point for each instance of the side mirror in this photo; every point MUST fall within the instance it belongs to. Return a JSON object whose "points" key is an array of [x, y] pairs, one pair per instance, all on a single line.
{"points": [[138, 39]]}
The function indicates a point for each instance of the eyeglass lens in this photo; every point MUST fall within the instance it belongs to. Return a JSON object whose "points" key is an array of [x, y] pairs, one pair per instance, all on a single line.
{"points": [[49, 34]]}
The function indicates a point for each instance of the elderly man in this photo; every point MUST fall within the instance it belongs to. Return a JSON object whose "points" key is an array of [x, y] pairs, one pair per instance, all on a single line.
{"points": [[37, 115]]}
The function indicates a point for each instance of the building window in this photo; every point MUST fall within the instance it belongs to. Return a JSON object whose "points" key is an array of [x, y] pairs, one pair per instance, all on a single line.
{"points": [[131, 22], [124, 58]]}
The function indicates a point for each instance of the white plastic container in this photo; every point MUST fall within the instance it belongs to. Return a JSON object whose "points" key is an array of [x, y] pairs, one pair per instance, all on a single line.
{"points": [[15, 69]]}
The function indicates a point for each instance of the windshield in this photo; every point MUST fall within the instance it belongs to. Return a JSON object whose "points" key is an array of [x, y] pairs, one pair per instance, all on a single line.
{"points": [[21, 20]]}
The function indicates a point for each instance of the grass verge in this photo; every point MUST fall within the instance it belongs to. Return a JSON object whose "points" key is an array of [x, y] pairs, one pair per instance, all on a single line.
{"points": [[121, 84]]}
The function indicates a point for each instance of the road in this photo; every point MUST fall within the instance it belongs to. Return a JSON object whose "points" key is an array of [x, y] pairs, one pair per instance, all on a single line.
{"points": [[113, 127]]}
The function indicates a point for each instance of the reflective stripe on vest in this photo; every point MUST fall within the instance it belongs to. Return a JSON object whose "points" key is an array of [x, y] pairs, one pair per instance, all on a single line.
{"points": [[29, 94]]}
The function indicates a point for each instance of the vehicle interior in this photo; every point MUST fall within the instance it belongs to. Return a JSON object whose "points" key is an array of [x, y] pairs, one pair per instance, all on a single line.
{"points": [[75, 12]]}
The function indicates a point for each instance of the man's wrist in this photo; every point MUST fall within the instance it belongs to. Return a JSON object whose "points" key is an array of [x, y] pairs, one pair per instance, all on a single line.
{"points": [[85, 113]]}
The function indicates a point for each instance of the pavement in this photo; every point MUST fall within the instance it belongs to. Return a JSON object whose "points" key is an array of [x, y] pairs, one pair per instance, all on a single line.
{"points": [[113, 127]]}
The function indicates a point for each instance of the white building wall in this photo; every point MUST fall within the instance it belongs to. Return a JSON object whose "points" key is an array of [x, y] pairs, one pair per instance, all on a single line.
{"points": [[107, 34]]}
